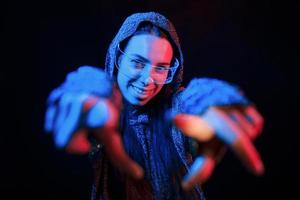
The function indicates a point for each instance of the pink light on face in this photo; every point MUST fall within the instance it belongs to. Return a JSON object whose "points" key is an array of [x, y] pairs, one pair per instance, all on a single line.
{"points": [[140, 88]]}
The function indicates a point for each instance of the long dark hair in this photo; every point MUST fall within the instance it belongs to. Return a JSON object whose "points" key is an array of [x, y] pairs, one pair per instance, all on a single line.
{"points": [[160, 161]]}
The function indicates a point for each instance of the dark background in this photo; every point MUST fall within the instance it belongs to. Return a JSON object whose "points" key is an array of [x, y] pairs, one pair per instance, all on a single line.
{"points": [[250, 43]]}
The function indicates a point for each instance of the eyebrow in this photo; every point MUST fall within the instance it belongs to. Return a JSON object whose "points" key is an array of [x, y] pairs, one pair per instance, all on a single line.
{"points": [[148, 61]]}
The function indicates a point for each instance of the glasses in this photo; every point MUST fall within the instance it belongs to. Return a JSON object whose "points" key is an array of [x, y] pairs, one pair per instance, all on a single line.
{"points": [[135, 67]]}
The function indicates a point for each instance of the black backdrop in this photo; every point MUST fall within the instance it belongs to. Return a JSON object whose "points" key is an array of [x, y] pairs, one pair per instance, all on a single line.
{"points": [[250, 43]]}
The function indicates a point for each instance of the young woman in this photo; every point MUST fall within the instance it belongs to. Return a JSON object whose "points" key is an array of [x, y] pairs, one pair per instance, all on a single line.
{"points": [[148, 137]]}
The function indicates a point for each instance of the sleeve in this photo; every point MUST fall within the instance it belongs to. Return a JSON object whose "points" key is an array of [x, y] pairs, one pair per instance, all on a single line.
{"points": [[202, 93], [87, 80]]}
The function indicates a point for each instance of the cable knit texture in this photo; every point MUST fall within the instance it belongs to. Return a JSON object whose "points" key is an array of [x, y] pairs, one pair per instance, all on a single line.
{"points": [[202, 93], [128, 28]]}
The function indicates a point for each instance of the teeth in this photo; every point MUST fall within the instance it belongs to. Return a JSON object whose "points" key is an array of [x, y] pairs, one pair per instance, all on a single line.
{"points": [[138, 90]]}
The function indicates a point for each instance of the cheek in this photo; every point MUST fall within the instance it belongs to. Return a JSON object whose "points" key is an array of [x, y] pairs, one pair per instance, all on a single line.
{"points": [[122, 81]]}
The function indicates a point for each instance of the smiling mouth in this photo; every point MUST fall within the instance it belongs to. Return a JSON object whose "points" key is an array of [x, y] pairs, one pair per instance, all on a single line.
{"points": [[141, 92]]}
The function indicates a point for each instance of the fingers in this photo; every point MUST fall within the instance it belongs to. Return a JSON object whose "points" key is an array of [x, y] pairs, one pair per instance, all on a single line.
{"points": [[115, 150], [202, 169], [52, 109], [68, 119], [49, 118], [101, 116], [249, 119], [79, 143], [98, 115], [229, 132], [55, 95], [194, 126], [113, 144], [249, 155], [220, 123], [199, 172], [247, 127], [62, 111], [256, 118], [235, 127], [214, 149]]}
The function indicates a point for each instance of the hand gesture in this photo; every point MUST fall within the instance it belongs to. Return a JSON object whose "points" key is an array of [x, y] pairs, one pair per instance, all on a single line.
{"points": [[218, 128], [73, 115]]}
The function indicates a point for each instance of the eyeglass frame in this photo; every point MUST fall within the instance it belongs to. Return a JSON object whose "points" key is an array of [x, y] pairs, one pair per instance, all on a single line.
{"points": [[171, 70]]}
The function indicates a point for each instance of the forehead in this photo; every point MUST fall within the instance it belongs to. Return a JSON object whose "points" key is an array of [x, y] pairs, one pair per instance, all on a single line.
{"points": [[150, 47]]}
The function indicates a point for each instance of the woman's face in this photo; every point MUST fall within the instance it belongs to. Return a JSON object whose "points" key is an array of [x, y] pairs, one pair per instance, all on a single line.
{"points": [[139, 88]]}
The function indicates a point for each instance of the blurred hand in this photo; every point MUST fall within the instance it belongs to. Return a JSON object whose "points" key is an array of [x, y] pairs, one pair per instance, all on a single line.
{"points": [[214, 131], [74, 116]]}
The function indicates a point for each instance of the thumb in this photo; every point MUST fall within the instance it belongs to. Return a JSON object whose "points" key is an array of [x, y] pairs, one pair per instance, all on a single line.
{"points": [[194, 126]]}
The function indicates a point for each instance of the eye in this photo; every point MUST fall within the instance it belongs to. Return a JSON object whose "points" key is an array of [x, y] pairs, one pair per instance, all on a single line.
{"points": [[137, 64], [161, 69]]}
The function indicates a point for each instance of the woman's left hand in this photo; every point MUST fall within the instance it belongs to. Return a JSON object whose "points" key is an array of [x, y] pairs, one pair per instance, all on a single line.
{"points": [[218, 128]]}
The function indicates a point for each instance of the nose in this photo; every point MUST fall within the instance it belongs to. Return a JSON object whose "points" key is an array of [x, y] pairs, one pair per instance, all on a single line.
{"points": [[146, 77]]}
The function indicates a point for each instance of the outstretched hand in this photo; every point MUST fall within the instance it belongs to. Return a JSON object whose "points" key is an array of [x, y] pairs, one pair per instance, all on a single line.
{"points": [[75, 116], [112, 140], [214, 131]]}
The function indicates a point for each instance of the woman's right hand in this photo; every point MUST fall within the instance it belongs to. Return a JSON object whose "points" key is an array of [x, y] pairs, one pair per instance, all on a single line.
{"points": [[74, 116]]}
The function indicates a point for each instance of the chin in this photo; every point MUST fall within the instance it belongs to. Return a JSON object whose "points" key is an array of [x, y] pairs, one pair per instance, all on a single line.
{"points": [[142, 103], [139, 103]]}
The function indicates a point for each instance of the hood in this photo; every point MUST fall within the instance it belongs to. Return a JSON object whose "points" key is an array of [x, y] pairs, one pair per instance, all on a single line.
{"points": [[129, 27]]}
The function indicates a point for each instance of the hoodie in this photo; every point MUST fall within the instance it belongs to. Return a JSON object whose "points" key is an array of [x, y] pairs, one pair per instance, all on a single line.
{"points": [[142, 124]]}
